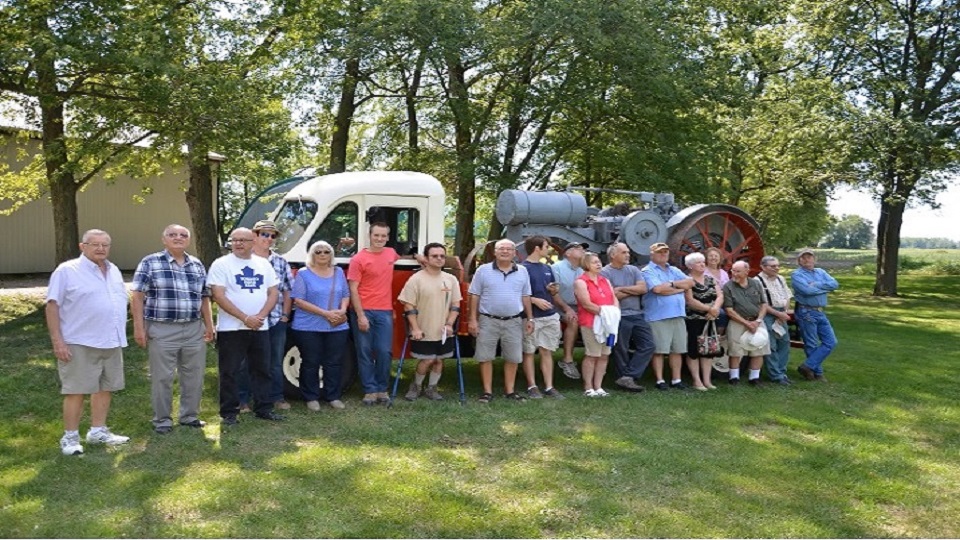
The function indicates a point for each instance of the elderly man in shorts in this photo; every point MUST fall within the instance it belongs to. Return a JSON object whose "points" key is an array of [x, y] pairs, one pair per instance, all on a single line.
{"points": [[664, 306], [500, 312], [566, 271], [746, 305], [87, 318], [431, 304], [545, 300]]}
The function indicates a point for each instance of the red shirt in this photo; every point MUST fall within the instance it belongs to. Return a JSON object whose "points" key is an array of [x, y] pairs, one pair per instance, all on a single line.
{"points": [[601, 294], [374, 274]]}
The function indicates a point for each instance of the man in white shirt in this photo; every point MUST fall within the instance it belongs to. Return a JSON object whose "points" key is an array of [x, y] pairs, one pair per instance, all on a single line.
{"points": [[778, 297], [87, 318], [245, 288]]}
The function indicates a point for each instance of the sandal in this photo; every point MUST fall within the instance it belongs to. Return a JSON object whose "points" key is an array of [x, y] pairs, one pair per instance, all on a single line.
{"points": [[486, 397], [514, 396]]}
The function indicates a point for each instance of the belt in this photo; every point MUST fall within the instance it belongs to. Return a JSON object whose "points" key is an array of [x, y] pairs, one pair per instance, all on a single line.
{"points": [[815, 308], [497, 317]]}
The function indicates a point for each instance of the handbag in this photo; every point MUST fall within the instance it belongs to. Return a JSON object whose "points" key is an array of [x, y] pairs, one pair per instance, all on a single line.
{"points": [[708, 342]]}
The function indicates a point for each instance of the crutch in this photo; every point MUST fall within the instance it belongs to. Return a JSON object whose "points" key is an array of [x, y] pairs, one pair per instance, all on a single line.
{"points": [[396, 379], [456, 352]]}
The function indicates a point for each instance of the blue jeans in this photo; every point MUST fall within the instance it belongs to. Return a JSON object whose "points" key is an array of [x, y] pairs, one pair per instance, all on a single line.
{"points": [[374, 353], [635, 329], [278, 338], [818, 337], [320, 349], [776, 361]]}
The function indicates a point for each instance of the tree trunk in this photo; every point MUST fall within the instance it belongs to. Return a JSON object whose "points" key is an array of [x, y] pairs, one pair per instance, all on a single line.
{"points": [[466, 158], [60, 177], [888, 247], [206, 240], [341, 126]]}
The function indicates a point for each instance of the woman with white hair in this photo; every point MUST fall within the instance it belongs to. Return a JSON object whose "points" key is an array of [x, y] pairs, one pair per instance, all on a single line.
{"points": [[321, 295], [704, 303]]}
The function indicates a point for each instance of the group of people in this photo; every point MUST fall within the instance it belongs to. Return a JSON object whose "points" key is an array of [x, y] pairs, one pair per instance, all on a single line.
{"points": [[640, 316]]}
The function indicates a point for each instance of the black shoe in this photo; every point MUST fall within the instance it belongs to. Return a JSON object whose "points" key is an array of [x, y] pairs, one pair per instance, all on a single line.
{"points": [[662, 386], [807, 373], [229, 421], [272, 416], [163, 430], [735, 381], [754, 382], [194, 423], [678, 386]]}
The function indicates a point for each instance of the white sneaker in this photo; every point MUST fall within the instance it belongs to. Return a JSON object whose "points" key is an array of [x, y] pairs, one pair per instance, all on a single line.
{"points": [[104, 436], [70, 445], [591, 393], [602, 393]]}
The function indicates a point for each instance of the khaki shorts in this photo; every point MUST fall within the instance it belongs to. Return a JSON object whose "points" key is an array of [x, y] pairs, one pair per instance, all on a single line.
{"points": [[508, 333], [669, 336], [592, 347], [546, 334], [91, 370], [734, 331]]}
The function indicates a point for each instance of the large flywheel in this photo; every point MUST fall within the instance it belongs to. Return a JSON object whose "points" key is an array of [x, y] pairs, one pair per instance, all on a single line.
{"points": [[726, 227]]}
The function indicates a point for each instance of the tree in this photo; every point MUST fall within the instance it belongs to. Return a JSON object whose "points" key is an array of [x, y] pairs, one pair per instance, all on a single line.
{"points": [[849, 232], [899, 61]]}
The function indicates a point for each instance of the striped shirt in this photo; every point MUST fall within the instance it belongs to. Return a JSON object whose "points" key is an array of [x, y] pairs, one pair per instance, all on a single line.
{"points": [[172, 293], [501, 293], [285, 279]]}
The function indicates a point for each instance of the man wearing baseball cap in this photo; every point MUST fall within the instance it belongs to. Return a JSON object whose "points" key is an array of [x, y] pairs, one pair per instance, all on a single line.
{"points": [[664, 306], [566, 271], [810, 288]]}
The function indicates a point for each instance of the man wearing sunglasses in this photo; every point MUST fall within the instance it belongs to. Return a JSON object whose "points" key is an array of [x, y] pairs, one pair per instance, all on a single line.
{"points": [[173, 320]]}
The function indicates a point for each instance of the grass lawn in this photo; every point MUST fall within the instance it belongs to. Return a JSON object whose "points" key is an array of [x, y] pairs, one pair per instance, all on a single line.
{"points": [[874, 453]]}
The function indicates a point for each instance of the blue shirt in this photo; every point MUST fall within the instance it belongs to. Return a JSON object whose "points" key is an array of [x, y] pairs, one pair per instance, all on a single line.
{"points": [[658, 307], [312, 288], [172, 293], [810, 287], [565, 274], [541, 275]]}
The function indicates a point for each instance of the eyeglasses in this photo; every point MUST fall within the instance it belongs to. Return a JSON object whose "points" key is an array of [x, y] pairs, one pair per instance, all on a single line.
{"points": [[96, 245], [241, 240], [322, 252], [268, 235], [178, 235]]}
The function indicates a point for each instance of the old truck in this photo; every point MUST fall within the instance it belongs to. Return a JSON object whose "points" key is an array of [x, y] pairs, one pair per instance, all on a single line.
{"points": [[338, 208]]}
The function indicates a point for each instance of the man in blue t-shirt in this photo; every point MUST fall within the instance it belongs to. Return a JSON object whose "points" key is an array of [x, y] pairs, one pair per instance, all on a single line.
{"points": [[664, 307], [545, 300]]}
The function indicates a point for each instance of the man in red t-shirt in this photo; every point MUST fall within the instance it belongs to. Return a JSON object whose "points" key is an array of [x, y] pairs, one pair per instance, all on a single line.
{"points": [[370, 276]]}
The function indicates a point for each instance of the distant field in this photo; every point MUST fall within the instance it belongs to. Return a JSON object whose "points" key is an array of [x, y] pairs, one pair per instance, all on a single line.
{"points": [[912, 261]]}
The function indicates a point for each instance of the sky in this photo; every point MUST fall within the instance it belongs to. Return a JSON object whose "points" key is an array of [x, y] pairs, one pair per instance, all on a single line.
{"points": [[920, 222]]}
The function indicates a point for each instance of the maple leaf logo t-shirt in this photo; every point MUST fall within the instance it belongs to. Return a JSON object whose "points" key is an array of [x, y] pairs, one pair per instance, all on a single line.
{"points": [[246, 282]]}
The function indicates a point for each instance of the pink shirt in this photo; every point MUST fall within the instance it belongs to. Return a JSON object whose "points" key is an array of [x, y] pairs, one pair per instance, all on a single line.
{"points": [[93, 306], [601, 294], [374, 274]]}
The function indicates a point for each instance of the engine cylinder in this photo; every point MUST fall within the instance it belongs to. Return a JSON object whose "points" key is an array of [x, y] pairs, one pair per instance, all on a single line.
{"points": [[516, 207]]}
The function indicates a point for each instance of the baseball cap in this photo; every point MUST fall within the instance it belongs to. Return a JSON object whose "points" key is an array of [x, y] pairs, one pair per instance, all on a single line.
{"points": [[806, 251], [265, 225], [569, 245], [659, 246]]}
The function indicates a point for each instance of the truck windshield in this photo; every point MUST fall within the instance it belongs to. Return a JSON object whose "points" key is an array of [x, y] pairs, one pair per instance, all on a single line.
{"points": [[292, 222]]}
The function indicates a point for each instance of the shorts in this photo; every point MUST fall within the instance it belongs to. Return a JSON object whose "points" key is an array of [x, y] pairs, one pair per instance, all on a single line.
{"points": [[429, 350], [508, 333], [734, 348], [669, 336], [546, 334], [91, 370], [592, 347]]}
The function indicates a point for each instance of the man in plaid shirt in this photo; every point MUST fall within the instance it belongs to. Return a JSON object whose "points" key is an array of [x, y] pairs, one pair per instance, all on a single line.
{"points": [[173, 320]]}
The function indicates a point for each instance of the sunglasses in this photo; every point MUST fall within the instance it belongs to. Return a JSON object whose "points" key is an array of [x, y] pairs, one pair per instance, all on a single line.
{"points": [[268, 235], [322, 252]]}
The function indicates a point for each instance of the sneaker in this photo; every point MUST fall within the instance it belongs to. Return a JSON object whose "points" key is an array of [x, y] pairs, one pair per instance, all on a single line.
{"points": [[679, 386], [104, 436], [534, 393], [70, 445], [590, 393], [432, 393], [245, 408], [569, 370], [197, 423], [602, 393], [369, 399], [662, 385], [785, 382], [282, 405], [413, 393], [552, 392], [313, 405], [163, 430], [272, 416], [229, 421], [628, 384], [383, 397], [337, 404]]}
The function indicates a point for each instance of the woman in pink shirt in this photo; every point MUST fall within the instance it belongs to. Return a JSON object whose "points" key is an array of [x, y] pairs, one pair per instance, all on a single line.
{"points": [[592, 291]]}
